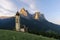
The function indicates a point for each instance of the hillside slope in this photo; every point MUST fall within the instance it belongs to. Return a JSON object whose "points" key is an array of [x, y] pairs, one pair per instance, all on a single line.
{"points": [[12, 35]]}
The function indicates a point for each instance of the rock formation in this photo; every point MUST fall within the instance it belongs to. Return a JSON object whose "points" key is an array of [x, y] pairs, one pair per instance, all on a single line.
{"points": [[23, 12], [36, 15]]}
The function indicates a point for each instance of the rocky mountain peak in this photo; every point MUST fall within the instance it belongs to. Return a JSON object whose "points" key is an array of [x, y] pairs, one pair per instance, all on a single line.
{"points": [[36, 15], [23, 12]]}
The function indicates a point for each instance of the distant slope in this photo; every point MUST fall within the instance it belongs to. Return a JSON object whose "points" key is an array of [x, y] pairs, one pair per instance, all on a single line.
{"points": [[12, 35], [7, 23], [40, 25]]}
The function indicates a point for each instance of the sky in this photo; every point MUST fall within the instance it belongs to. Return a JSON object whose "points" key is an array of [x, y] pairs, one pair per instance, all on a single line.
{"points": [[50, 8]]}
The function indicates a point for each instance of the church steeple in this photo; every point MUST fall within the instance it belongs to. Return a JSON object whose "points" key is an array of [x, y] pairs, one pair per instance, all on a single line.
{"points": [[17, 21], [17, 14]]}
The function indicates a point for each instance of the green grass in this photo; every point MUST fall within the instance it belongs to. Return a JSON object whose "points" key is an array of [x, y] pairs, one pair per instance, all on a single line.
{"points": [[13, 35]]}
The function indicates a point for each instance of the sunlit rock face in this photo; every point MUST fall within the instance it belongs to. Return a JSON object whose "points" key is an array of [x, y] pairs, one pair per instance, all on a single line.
{"points": [[36, 15], [23, 12]]}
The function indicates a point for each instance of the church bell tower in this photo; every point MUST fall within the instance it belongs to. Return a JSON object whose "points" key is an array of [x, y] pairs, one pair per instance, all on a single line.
{"points": [[17, 21]]}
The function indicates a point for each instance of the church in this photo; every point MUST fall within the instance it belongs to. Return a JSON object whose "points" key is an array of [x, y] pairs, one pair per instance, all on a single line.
{"points": [[18, 26]]}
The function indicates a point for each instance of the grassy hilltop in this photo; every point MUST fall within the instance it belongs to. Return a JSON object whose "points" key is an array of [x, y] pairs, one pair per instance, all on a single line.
{"points": [[13, 35]]}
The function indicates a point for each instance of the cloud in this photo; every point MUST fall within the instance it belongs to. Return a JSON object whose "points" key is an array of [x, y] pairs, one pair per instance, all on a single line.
{"points": [[31, 5], [7, 8], [54, 20]]}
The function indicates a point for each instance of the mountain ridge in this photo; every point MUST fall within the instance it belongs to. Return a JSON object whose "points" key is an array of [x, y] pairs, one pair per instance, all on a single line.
{"points": [[33, 25]]}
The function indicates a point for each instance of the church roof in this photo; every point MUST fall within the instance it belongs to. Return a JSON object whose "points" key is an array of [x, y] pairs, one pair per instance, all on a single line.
{"points": [[17, 13]]}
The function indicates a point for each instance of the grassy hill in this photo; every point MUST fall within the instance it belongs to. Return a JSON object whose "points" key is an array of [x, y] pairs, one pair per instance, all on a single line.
{"points": [[13, 35]]}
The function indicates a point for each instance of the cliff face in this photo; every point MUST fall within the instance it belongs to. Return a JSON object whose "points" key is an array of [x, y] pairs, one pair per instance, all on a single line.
{"points": [[23, 12], [36, 15]]}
